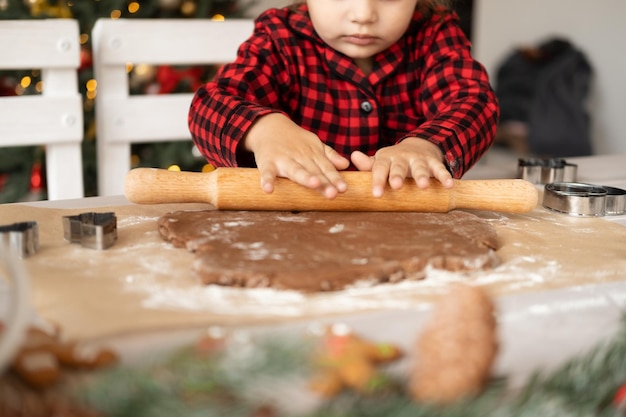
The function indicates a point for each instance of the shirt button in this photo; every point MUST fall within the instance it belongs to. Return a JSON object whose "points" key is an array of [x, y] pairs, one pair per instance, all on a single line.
{"points": [[366, 106]]}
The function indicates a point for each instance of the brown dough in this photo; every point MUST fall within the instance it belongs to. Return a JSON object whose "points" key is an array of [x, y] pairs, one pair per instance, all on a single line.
{"points": [[325, 251]]}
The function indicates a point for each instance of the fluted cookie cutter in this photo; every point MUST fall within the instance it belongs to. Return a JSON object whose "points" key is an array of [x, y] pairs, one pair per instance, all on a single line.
{"points": [[581, 199], [22, 238], [546, 170], [91, 230]]}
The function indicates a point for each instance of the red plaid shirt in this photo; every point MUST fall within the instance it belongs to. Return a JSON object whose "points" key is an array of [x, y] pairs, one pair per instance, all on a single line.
{"points": [[426, 85]]}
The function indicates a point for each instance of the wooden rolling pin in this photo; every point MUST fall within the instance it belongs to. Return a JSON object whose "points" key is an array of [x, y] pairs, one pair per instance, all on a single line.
{"points": [[240, 189]]}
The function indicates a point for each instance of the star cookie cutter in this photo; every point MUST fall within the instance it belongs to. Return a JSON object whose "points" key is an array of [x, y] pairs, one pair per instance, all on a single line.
{"points": [[91, 230], [546, 170], [21, 238]]}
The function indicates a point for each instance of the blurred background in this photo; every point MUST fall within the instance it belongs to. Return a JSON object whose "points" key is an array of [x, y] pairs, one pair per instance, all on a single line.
{"points": [[558, 67]]}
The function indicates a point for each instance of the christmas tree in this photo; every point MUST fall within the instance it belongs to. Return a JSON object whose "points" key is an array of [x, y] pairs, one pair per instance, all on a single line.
{"points": [[22, 170]]}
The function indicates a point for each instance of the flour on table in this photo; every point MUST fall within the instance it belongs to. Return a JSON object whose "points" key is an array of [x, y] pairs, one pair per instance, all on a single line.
{"points": [[528, 248]]}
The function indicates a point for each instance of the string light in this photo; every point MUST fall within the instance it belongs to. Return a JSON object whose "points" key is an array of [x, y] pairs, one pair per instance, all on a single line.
{"points": [[116, 14], [91, 87], [133, 7], [208, 168], [173, 168], [218, 18], [143, 70], [188, 8], [25, 82]]}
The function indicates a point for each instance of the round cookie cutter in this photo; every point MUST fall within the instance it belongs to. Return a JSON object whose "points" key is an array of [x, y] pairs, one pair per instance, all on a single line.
{"points": [[546, 170], [615, 201], [580, 199]]}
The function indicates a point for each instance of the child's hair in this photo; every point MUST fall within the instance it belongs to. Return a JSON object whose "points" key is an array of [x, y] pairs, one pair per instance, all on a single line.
{"points": [[429, 7]]}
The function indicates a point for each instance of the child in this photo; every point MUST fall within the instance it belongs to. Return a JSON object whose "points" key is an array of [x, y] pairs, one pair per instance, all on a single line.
{"points": [[388, 86]]}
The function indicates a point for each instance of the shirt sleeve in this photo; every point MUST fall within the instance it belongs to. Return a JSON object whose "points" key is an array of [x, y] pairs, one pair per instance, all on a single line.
{"points": [[224, 109], [458, 102]]}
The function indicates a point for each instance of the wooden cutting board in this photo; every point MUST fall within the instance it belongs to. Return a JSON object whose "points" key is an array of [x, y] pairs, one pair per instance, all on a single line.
{"points": [[143, 284]]}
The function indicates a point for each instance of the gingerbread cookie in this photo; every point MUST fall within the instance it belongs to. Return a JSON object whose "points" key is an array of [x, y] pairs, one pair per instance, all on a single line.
{"points": [[43, 356], [345, 360]]}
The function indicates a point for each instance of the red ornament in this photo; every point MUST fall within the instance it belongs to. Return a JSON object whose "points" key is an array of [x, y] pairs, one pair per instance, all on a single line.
{"points": [[169, 78], [36, 179], [86, 58], [7, 86], [619, 400]]}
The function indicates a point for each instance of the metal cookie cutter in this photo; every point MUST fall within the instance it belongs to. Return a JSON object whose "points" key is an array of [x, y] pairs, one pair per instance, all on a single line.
{"points": [[23, 238], [546, 170], [580, 199], [91, 230], [615, 201]]}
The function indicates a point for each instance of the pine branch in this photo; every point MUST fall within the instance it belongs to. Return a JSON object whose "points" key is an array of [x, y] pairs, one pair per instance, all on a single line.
{"points": [[235, 381]]}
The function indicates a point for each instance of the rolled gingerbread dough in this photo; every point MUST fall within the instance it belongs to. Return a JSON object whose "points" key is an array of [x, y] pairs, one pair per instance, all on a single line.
{"points": [[326, 251]]}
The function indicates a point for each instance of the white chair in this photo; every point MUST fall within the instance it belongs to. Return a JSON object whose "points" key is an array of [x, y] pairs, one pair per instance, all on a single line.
{"points": [[122, 119], [54, 118]]}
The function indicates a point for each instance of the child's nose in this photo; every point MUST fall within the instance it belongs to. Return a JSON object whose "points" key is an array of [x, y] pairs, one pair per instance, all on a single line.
{"points": [[363, 11]]}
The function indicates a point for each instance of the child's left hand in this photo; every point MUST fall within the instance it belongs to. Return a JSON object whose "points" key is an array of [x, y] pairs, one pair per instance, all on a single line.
{"points": [[412, 158]]}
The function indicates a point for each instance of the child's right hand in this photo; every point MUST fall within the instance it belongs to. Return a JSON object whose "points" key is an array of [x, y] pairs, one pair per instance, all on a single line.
{"points": [[281, 148]]}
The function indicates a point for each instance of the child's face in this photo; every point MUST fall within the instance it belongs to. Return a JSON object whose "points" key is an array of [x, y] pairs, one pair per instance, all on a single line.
{"points": [[361, 28]]}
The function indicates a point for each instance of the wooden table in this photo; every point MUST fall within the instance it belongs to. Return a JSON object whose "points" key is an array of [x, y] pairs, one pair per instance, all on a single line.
{"points": [[538, 328]]}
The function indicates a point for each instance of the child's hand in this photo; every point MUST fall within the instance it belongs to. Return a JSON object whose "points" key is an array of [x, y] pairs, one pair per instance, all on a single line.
{"points": [[283, 149], [413, 157]]}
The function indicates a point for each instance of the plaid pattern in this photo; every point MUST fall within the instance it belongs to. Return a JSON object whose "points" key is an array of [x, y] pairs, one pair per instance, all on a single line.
{"points": [[426, 85]]}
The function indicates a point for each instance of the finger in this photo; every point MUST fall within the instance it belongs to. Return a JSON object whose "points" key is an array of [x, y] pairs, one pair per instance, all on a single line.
{"points": [[268, 178], [323, 177], [338, 161], [307, 174], [397, 174], [442, 175], [304, 177], [380, 174], [293, 171], [361, 161], [421, 175], [380, 170], [330, 172], [336, 182]]}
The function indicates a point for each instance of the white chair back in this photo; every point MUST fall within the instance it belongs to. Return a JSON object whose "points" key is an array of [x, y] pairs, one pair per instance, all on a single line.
{"points": [[54, 118], [122, 119]]}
